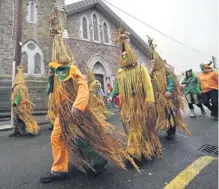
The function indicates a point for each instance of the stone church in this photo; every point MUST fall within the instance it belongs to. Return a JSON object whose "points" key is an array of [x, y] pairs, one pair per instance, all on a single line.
{"points": [[90, 31]]}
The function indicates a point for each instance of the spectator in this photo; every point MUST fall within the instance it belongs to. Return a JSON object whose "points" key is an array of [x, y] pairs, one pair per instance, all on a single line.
{"points": [[209, 86], [192, 92]]}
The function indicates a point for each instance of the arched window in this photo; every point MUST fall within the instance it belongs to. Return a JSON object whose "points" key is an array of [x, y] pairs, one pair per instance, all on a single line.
{"points": [[32, 12], [95, 24], [32, 59], [106, 32], [85, 27]]}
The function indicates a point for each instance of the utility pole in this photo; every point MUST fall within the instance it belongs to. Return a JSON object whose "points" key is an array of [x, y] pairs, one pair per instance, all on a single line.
{"points": [[18, 46], [214, 62], [18, 33]]}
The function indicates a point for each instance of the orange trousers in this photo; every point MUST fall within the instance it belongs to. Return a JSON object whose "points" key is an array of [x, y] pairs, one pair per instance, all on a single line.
{"points": [[59, 149]]}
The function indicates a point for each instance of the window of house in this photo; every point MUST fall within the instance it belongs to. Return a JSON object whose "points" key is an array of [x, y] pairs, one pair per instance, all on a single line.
{"points": [[85, 28], [32, 59], [105, 32], [31, 12], [95, 27]]}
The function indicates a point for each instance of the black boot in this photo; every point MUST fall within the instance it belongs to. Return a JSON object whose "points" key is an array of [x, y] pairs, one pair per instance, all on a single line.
{"points": [[16, 133], [53, 176], [171, 133]]}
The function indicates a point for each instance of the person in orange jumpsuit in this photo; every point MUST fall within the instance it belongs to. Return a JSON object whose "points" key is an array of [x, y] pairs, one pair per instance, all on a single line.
{"points": [[209, 85], [80, 136]]}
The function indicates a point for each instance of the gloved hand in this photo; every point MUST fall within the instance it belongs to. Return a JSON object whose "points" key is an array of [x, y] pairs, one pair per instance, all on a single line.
{"points": [[14, 105], [109, 99]]}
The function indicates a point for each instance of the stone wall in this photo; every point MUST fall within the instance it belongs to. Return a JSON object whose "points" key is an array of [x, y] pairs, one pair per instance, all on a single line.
{"points": [[37, 32], [83, 50], [6, 36]]}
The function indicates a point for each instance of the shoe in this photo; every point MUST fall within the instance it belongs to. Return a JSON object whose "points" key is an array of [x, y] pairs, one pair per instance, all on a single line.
{"points": [[192, 114], [52, 177], [14, 135], [170, 137]]}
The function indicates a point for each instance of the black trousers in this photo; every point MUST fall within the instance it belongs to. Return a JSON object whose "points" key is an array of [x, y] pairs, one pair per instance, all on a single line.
{"points": [[213, 106], [191, 107], [19, 126], [172, 129]]}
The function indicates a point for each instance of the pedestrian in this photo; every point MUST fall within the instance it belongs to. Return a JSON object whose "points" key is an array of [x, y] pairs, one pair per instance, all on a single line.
{"points": [[168, 96], [79, 135], [110, 89], [24, 123], [97, 99], [136, 108], [192, 92], [209, 86]]}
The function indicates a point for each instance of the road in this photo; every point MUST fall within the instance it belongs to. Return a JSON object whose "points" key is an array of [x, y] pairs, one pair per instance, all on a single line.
{"points": [[24, 160]]}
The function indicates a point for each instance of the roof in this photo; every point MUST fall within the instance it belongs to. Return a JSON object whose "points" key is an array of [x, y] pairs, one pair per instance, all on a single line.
{"points": [[111, 16]]}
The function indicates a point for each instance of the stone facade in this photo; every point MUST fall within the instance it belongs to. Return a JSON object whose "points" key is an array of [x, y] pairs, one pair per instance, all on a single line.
{"points": [[102, 57], [6, 36], [37, 32], [86, 49]]}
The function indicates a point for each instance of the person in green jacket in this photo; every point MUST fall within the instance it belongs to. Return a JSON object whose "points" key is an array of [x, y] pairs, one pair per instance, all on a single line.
{"points": [[192, 91]]}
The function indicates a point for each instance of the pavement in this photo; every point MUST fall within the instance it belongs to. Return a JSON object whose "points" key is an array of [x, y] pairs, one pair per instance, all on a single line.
{"points": [[23, 160]]}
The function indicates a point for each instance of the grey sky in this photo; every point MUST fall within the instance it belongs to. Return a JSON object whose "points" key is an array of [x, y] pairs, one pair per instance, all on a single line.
{"points": [[193, 22]]}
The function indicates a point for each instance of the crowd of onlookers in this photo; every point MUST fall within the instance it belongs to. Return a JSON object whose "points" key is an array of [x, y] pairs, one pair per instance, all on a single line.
{"points": [[202, 90]]}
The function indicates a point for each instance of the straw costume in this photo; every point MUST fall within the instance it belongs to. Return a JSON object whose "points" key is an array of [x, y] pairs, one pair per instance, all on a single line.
{"points": [[169, 99], [96, 99], [209, 86], [24, 123], [192, 91], [137, 103], [79, 135]]}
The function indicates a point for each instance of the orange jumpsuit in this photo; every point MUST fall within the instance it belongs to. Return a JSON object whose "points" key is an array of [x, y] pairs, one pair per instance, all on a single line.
{"points": [[59, 148]]}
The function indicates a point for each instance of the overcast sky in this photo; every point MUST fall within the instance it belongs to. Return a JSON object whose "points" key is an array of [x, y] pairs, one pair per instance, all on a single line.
{"points": [[193, 22]]}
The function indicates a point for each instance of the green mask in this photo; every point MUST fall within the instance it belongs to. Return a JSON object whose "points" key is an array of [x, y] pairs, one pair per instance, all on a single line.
{"points": [[63, 72]]}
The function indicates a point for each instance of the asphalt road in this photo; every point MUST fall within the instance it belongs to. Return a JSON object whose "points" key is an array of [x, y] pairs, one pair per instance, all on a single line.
{"points": [[24, 160]]}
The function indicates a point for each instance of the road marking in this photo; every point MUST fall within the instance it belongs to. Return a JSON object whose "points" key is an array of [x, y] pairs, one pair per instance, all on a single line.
{"points": [[188, 174]]}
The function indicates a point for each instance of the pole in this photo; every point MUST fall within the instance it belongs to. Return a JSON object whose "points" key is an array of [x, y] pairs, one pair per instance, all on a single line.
{"points": [[214, 62], [18, 34], [18, 46]]}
